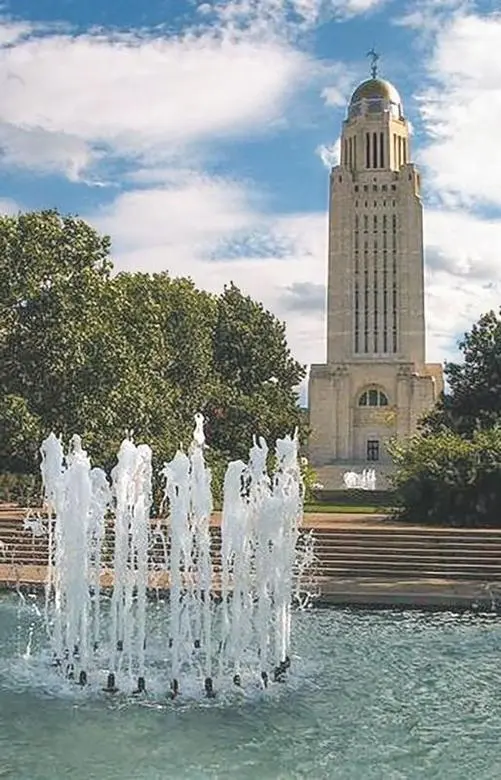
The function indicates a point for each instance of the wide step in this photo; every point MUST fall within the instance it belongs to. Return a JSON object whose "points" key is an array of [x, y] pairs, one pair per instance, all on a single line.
{"points": [[382, 551]]}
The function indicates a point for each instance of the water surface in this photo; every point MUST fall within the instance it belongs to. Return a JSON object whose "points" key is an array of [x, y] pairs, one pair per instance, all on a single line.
{"points": [[373, 696]]}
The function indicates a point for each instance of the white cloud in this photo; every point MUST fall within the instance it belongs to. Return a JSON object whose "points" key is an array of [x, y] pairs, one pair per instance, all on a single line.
{"points": [[68, 99], [42, 150], [9, 207], [462, 111], [287, 16], [330, 155], [10, 32], [429, 16], [341, 78], [463, 278], [354, 7], [187, 218]]}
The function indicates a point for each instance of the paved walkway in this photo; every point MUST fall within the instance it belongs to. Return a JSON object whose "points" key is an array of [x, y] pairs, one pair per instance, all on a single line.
{"points": [[348, 592]]}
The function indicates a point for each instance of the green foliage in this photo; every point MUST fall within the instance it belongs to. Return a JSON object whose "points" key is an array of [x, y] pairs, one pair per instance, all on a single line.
{"points": [[383, 499], [22, 489], [255, 376], [84, 351], [310, 480], [474, 398], [342, 509], [19, 435], [446, 479]]}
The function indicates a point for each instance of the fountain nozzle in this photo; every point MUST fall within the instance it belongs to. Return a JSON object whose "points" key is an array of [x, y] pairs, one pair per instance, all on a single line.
{"points": [[141, 685], [174, 688], [110, 684], [82, 678], [209, 688]]}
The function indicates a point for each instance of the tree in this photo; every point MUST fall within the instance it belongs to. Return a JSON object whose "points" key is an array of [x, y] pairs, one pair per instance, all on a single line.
{"points": [[53, 273], [20, 435], [256, 376], [474, 398], [83, 351], [446, 479]]}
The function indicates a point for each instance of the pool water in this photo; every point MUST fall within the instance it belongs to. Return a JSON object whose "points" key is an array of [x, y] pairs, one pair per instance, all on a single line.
{"points": [[380, 695]]}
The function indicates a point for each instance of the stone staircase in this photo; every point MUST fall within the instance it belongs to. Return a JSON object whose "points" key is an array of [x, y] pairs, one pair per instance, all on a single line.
{"points": [[356, 548], [396, 552]]}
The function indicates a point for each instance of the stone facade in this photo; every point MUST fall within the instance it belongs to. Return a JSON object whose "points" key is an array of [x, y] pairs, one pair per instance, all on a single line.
{"points": [[376, 383]]}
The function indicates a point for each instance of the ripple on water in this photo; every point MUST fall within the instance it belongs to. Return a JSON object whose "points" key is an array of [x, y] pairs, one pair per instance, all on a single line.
{"points": [[374, 695]]}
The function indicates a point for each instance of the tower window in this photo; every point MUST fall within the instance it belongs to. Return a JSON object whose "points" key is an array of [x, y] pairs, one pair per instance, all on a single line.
{"points": [[374, 188], [356, 187], [384, 187], [373, 397], [366, 189], [367, 150], [372, 449], [394, 187]]}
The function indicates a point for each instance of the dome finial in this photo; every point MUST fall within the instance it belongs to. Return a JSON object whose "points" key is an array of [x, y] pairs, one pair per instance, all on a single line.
{"points": [[374, 61]]}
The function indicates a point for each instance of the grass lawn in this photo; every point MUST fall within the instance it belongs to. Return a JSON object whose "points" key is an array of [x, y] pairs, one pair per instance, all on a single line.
{"points": [[343, 509]]}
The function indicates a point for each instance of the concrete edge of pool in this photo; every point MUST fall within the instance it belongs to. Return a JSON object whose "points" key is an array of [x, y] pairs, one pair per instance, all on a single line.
{"points": [[361, 592]]}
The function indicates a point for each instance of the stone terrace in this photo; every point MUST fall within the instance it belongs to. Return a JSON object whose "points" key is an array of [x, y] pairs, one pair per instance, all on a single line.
{"points": [[361, 560]]}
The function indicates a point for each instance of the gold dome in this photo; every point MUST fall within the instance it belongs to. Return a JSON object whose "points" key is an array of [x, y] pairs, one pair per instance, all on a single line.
{"points": [[376, 88]]}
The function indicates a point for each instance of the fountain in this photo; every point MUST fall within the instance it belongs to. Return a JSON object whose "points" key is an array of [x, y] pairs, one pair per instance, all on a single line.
{"points": [[364, 481], [227, 619]]}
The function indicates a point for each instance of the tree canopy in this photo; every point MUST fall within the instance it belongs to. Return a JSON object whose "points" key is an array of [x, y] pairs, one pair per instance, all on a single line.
{"points": [[84, 350], [446, 479], [452, 473], [473, 401]]}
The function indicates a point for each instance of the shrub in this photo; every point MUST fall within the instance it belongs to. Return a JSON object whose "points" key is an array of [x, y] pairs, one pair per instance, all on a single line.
{"points": [[445, 479]]}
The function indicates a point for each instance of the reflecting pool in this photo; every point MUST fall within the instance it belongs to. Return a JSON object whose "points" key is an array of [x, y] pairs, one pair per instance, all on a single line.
{"points": [[371, 695]]}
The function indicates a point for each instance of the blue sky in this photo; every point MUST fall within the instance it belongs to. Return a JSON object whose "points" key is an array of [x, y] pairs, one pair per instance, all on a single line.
{"points": [[199, 136]]}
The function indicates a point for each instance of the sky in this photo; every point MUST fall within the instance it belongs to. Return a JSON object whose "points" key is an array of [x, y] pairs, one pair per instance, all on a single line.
{"points": [[199, 136]]}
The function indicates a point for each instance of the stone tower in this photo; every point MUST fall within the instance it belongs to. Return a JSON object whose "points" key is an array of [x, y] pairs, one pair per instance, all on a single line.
{"points": [[376, 383]]}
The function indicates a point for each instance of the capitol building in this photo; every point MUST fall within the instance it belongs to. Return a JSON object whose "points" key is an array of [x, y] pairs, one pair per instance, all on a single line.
{"points": [[376, 383]]}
